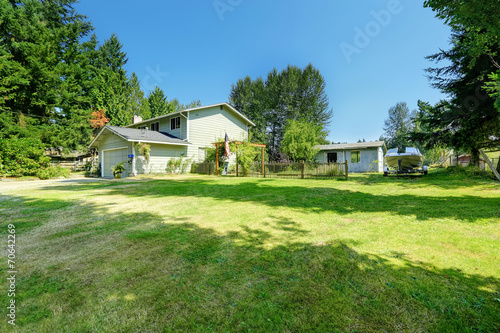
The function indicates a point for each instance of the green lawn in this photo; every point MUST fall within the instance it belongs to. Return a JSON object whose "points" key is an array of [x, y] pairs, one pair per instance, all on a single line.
{"points": [[207, 254]]}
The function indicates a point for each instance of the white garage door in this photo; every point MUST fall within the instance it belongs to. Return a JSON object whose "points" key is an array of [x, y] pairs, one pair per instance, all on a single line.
{"points": [[112, 158]]}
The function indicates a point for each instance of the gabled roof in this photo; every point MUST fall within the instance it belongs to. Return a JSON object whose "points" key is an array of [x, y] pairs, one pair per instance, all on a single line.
{"points": [[248, 121], [141, 135], [359, 145]]}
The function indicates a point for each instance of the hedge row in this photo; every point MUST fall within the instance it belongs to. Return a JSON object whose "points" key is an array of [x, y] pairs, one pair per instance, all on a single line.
{"points": [[22, 157]]}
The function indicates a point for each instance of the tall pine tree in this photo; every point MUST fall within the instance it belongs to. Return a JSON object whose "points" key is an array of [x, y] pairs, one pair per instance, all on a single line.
{"points": [[138, 104], [111, 90], [44, 52], [468, 121], [158, 104]]}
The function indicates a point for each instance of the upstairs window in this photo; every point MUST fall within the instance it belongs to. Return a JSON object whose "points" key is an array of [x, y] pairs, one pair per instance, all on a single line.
{"points": [[155, 126], [175, 123], [355, 156]]}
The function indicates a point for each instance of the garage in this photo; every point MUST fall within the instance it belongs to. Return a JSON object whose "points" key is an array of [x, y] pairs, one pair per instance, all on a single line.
{"points": [[112, 157]]}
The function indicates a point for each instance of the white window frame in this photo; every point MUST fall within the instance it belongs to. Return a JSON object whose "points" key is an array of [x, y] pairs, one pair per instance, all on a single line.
{"points": [[177, 123], [357, 151]]}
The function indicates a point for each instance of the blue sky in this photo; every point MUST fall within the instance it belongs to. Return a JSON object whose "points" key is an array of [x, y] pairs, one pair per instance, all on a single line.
{"points": [[371, 53]]}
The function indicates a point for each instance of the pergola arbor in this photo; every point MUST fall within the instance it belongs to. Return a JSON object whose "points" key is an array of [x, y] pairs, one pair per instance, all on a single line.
{"points": [[237, 143]]}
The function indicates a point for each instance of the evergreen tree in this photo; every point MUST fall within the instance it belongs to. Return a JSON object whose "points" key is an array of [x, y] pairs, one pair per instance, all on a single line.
{"points": [[178, 106], [193, 104], [111, 55], [44, 68], [158, 103], [138, 104], [468, 121], [111, 90], [249, 97]]}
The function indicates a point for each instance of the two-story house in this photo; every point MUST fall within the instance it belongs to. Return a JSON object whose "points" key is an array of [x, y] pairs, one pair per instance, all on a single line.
{"points": [[186, 133]]}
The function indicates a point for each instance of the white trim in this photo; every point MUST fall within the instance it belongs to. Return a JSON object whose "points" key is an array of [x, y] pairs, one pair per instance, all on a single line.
{"points": [[109, 129], [134, 171], [162, 143], [116, 133], [136, 140], [90, 146], [187, 125], [114, 149], [239, 114], [352, 146]]}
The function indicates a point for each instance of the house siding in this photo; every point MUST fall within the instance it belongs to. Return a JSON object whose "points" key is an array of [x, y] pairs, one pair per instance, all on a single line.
{"points": [[210, 125], [367, 162], [164, 126], [160, 155]]}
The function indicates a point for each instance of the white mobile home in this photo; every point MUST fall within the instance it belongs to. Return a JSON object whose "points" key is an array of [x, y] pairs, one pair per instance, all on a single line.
{"points": [[362, 157]]}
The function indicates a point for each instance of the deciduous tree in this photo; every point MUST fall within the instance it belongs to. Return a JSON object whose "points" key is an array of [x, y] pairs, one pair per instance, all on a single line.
{"points": [[300, 139], [398, 126], [293, 93]]}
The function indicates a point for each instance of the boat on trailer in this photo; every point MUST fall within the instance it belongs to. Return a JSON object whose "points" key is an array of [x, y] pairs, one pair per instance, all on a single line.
{"points": [[411, 161]]}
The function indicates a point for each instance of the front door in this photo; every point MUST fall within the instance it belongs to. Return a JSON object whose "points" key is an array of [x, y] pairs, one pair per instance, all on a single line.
{"points": [[332, 157]]}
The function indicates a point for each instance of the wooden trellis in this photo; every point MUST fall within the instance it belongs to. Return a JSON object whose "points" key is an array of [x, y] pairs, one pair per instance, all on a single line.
{"points": [[237, 143]]}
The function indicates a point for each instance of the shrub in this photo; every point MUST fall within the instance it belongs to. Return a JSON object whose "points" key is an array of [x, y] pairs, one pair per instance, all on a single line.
{"points": [[194, 168], [178, 165], [119, 168], [460, 172], [22, 157], [246, 156], [53, 172]]}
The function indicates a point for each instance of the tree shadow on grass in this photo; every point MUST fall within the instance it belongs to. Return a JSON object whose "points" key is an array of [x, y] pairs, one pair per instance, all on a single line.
{"points": [[441, 178], [312, 199], [144, 272]]}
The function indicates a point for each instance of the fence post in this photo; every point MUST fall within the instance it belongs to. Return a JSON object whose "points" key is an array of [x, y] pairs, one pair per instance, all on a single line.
{"points": [[263, 170], [346, 170], [302, 170], [217, 159], [487, 159]]}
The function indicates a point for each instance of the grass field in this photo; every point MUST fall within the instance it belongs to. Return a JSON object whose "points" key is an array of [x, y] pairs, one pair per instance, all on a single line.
{"points": [[207, 254]]}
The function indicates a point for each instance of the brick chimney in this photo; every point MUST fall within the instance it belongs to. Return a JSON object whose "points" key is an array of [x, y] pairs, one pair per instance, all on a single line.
{"points": [[136, 119]]}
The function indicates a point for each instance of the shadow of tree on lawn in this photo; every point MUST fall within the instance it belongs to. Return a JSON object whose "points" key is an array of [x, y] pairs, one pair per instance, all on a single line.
{"points": [[145, 272], [312, 199]]}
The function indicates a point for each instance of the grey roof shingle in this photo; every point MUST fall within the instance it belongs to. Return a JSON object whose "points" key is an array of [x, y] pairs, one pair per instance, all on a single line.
{"points": [[360, 145], [133, 134]]}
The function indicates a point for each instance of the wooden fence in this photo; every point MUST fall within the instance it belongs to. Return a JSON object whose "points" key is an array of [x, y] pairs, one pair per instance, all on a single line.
{"points": [[204, 168], [277, 170], [72, 165]]}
